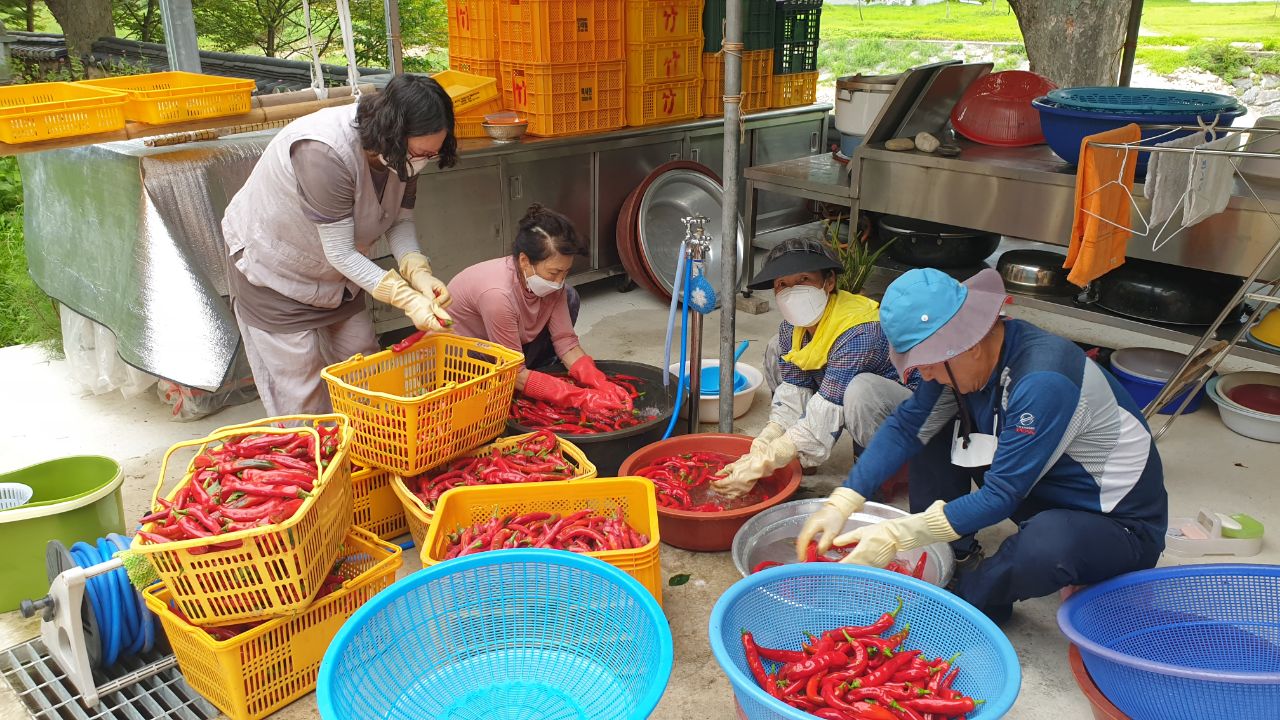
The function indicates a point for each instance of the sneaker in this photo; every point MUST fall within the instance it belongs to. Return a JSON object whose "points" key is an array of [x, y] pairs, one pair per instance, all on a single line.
{"points": [[965, 562], [809, 471]]}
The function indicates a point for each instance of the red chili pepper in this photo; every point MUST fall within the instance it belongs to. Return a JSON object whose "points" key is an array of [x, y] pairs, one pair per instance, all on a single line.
{"points": [[884, 622], [885, 672], [824, 661], [764, 565], [918, 572], [946, 708], [782, 656], [757, 667]]}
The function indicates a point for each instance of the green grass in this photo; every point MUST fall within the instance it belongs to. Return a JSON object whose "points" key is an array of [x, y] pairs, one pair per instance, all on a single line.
{"points": [[1162, 60], [26, 314]]}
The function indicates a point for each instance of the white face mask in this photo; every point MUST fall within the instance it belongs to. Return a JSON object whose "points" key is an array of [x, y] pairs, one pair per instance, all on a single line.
{"points": [[541, 286], [414, 166], [802, 305]]}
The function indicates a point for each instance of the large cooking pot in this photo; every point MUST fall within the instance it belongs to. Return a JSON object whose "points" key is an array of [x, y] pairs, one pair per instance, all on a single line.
{"points": [[859, 99], [921, 243], [1038, 272], [1169, 294]]}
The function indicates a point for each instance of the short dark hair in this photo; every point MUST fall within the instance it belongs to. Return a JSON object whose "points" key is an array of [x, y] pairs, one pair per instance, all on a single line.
{"points": [[543, 232], [409, 106]]}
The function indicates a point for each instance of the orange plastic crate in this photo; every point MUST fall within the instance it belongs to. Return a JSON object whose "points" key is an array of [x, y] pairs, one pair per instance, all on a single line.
{"points": [[561, 31], [657, 103], [792, 90], [475, 66], [473, 31], [664, 61], [375, 507], [470, 123], [664, 21], [757, 78], [567, 99]]}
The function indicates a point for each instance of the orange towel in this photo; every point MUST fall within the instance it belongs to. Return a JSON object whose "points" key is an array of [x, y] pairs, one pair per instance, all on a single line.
{"points": [[1098, 247]]}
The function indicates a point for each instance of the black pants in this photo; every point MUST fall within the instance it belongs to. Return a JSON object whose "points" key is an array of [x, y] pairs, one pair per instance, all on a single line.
{"points": [[540, 352]]}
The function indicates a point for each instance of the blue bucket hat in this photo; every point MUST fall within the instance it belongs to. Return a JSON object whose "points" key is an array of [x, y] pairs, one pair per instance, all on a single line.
{"points": [[929, 317]]}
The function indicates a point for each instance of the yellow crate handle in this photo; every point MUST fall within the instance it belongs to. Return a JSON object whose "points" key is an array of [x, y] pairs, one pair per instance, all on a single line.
{"points": [[221, 434]]}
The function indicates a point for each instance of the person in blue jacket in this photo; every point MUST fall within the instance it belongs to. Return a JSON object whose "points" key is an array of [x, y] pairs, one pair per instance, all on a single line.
{"points": [[1051, 440]]}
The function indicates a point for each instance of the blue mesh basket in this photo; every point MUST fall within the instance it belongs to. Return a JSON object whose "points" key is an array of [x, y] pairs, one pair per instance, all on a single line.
{"points": [[781, 604], [1185, 642], [511, 635], [1142, 100]]}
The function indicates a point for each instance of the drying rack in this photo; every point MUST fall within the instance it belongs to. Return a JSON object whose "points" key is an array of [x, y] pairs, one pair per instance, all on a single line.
{"points": [[1207, 354]]}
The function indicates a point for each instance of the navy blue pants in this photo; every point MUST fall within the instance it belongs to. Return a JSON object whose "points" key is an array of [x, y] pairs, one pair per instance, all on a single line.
{"points": [[1053, 548], [540, 352]]}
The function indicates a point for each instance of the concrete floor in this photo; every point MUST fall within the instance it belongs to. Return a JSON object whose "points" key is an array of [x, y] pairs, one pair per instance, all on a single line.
{"points": [[1207, 466]]}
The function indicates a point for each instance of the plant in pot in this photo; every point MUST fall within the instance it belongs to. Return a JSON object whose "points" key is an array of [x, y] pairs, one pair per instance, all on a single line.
{"points": [[855, 253]]}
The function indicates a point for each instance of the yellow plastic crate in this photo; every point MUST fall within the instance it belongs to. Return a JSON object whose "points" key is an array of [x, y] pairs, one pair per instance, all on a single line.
{"points": [[415, 409], [567, 99], [465, 506], [561, 31], [45, 111], [171, 97], [664, 61], [657, 103], [470, 123], [664, 21], [272, 571], [475, 66], [757, 82], [796, 89], [375, 507], [263, 669], [468, 91], [473, 30], [418, 516]]}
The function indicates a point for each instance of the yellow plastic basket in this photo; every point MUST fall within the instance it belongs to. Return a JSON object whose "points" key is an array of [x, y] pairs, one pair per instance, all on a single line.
{"points": [[418, 516], [657, 103], [475, 66], [375, 506], [757, 82], [795, 89], [664, 61], [415, 409], [263, 669], [467, 91], [473, 30], [470, 123], [664, 20], [271, 571], [171, 97], [561, 31], [44, 111], [567, 99], [465, 506]]}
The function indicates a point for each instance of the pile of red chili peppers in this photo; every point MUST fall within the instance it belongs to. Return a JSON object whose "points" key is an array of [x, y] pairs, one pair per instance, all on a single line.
{"points": [[250, 481], [812, 555], [222, 633], [537, 414], [675, 475], [537, 458], [582, 531], [854, 673]]}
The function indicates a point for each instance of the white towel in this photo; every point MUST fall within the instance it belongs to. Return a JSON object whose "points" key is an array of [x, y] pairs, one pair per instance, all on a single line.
{"points": [[1168, 177], [1212, 177]]}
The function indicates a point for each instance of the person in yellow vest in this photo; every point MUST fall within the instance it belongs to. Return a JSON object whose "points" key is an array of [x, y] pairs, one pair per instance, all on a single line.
{"points": [[828, 368]]}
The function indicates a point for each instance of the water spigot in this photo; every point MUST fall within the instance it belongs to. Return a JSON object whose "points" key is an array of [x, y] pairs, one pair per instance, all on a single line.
{"points": [[695, 227]]}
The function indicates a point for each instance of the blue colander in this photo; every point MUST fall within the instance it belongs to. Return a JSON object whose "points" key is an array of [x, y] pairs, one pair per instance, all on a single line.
{"points": [[510, 635]]}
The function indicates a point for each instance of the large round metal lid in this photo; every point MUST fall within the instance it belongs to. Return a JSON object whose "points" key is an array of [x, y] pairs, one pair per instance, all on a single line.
{"points": [[672, 197], [873, 83]]}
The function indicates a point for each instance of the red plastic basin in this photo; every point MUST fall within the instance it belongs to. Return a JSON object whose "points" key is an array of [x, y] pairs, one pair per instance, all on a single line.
{"points": [[1101, 706], [713, 531]]}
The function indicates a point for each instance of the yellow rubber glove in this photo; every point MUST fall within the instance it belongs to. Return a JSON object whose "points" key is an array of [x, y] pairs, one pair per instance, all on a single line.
{"points": [[425, 314], [415, 269], [737, 478], [772, 431], [828, 520], [878, 544]]}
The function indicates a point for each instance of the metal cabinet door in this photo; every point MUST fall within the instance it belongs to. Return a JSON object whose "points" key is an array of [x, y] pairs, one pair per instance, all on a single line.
{"points": [[619, 172], [775, 143], [561, 183], [708, 149]]}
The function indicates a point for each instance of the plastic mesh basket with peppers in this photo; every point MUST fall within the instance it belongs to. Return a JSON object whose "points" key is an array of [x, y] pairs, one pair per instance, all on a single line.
{"points": [[584, 531], [248, 481], [540, 414], [537, 458], [812, 555], [856, 673], [683, 482]]}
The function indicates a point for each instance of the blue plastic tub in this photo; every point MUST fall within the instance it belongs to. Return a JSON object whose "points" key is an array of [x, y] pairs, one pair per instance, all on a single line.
{"points": [[1064, 128], [515, 635], [1182, 643], [1144, 390], [780, 605]]}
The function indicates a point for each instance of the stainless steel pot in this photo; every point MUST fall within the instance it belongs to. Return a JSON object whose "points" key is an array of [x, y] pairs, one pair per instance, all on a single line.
{"points": [[928, 244], [1038, 272]]}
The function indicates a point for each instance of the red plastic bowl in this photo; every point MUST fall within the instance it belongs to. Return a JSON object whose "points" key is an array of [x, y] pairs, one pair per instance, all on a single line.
{"points": [[996, 109], [714, 531], [1257, 397], [1099, 704]]}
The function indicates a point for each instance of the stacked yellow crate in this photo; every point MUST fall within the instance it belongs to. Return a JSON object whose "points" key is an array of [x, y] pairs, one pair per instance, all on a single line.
{"points": [[757, 78], [664, 61], [473, 49]]}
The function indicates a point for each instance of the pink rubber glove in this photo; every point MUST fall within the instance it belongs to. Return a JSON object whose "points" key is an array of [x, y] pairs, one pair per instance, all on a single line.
{"points": [[586, 373]]}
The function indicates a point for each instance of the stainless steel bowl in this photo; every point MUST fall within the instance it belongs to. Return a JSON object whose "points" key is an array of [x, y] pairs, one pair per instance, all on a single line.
{"points": [[771, 536], [506, 132], [1034, 271]]}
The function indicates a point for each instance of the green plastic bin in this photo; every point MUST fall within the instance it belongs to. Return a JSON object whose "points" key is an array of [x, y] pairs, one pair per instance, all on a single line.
{"points": [[74, 499]]}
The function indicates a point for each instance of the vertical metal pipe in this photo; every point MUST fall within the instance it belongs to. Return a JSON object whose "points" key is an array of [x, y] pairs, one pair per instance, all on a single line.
{"points": [[698, 251], [733, 49], [180, 35], [394, 48], [1130, 42]]}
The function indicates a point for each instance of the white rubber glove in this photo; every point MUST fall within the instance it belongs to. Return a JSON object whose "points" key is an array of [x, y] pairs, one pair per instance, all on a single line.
{"points": [[772, 431], [828, 520], [415, 268], [738, 477], [878, 544], [421, 309]]}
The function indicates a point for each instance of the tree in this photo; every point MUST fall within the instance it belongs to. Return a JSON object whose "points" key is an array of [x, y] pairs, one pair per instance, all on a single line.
{"points": [[83, 22], [1074, 42], [18, 14], [140, 20], [423, 23], [275, 27]]}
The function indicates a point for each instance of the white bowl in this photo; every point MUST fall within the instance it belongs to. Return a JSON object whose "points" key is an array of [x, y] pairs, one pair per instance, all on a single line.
{"points": [[1248, 423], [709, 405], [1265, 169]]}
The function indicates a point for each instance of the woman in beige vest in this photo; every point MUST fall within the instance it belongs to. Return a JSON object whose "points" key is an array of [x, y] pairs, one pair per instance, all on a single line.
{"points": [[300, 231]]}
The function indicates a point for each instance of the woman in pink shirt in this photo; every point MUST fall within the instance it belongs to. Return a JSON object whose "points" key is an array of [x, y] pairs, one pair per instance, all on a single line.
{"points": [[522, 302]]}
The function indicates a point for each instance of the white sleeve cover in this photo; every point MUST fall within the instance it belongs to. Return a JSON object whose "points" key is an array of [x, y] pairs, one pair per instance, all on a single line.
{"points": [[339, 242], [402, 236], [816, 430], [788, 404]]}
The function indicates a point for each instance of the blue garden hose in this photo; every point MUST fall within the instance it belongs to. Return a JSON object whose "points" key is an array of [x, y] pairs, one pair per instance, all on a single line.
{"points": [[125, 625], [684, 348]]}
